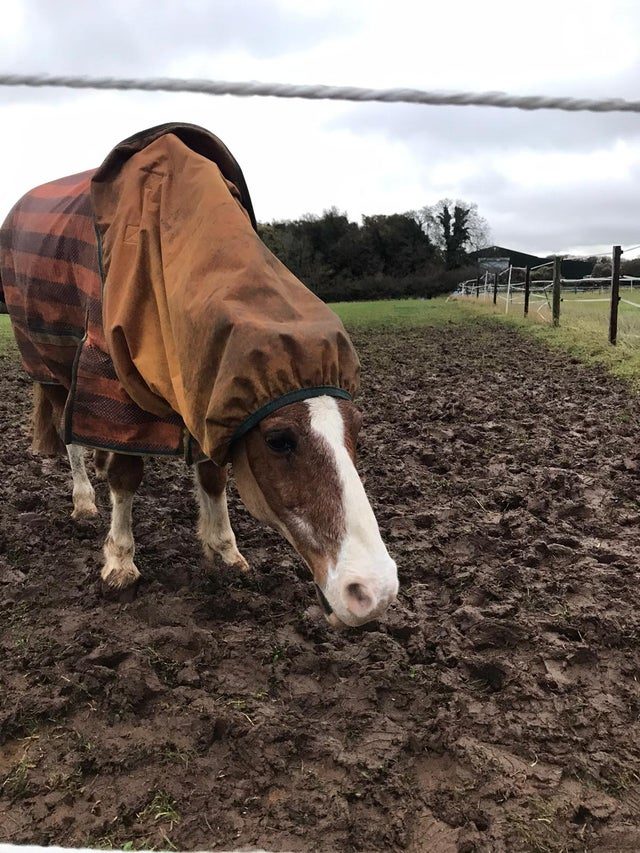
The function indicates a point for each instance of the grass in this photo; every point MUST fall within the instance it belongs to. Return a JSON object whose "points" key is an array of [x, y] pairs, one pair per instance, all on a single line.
{"points": [[7, 342], [161, 807], [17, 783], [161, 810], [583, 330], [400, 312]]}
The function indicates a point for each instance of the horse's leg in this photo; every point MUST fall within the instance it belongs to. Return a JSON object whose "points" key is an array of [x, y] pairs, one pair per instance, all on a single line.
{"points": [[124, 475], [100, 462], [84, 498], [46, 417], [214, 527]]}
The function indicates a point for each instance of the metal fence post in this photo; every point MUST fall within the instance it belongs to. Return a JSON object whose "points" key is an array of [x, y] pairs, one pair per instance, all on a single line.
{"points": [[506, 307], [557, 284], [615, 294], [527, 288], [495, 288], [478, 286]]}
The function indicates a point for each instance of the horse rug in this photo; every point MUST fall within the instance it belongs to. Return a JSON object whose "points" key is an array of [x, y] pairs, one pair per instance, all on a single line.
{"points": [[143, 288]]}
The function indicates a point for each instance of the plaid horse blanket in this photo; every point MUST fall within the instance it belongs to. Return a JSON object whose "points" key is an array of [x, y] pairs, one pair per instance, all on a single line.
{"points": [[143, 288]]}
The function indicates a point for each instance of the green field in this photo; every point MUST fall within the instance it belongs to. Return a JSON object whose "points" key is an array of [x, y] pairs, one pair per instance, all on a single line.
{"points": [[577, 310], [7, 343], [400, 312]]}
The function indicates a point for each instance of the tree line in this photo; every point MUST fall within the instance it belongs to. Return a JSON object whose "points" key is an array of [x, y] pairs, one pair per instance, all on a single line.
{"points": [[419, 253]]}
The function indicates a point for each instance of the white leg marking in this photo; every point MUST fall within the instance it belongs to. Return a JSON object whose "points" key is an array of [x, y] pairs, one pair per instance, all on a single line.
{"points": [[84, 498], [119, 570], [214, 528], [363, 568]]}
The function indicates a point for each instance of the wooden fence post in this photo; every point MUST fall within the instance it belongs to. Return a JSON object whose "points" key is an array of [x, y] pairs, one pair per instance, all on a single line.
{"points": [[495, 288], [478, 286], [615, 294], [557, 284], [527, 288]]}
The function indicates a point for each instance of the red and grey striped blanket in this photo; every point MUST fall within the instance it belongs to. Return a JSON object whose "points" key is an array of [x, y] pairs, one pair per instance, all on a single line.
{"points": [[52, 288]]}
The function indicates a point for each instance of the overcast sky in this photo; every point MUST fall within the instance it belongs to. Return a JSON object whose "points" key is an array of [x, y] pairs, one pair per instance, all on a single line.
{"points": [[545, 181]]}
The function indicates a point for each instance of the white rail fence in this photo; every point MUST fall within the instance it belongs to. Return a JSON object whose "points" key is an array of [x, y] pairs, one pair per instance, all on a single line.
{"points": [[544, 296]]}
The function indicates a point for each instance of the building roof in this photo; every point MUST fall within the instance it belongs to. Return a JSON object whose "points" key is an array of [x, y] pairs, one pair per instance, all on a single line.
{"points": [[571, 267]]}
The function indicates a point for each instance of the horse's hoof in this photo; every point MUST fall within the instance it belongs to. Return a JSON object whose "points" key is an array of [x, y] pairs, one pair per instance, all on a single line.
{"points": [[240, 563], [232, 558], [119, 571], [84, 511]]}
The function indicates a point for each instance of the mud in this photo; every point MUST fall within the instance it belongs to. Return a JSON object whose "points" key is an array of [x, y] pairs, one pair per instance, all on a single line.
{"points": [[496, 709]]}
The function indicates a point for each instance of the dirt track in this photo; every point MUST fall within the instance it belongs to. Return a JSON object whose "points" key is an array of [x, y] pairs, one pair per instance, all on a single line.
{"points": [[497, 709]]}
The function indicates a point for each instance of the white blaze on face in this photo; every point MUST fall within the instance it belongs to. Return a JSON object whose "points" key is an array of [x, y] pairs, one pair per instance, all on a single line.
{"points": [[364, 579]]}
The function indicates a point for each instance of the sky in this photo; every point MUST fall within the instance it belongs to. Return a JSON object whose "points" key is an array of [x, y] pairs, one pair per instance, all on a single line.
{"points": [[545, 181]]}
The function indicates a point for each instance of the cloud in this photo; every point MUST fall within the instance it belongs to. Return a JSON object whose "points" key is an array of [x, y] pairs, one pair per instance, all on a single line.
{"points": [[593, 215], [466, 130], [546, 181], [130, 35]]}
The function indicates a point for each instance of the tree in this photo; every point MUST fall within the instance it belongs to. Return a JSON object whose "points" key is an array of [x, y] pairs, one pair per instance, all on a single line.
{"points": [[631, 267], [385, 256], [602, 267], [400, 244], [455, 227]]}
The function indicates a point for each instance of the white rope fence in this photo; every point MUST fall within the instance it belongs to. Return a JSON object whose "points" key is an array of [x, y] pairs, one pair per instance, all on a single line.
{"points": [[327, 93]]}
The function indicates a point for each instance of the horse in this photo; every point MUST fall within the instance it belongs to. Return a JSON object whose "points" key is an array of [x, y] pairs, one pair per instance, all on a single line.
{"points": [[152, 319]]}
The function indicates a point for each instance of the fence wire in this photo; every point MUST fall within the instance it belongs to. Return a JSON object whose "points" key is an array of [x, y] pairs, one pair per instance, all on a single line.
{"points": [[317, 92]]}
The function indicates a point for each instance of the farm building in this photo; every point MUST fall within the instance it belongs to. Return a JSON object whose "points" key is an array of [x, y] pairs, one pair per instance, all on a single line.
{"points": [[571, 267]]}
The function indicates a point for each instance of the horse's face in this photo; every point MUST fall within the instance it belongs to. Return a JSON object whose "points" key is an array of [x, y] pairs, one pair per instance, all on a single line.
{"points": [[295, 471]]}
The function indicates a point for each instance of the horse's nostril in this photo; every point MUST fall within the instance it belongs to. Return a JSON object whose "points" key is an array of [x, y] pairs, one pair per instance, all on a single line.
{"points": [[358, 597]]}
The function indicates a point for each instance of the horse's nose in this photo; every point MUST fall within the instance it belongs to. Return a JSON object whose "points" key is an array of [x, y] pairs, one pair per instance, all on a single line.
{"points": [[367, 598]]}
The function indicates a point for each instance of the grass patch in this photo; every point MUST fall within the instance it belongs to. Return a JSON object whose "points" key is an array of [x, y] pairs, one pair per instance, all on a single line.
{"points": [[165, 668], [17, 783], [7, 341], [162, 807], [400, 312]]}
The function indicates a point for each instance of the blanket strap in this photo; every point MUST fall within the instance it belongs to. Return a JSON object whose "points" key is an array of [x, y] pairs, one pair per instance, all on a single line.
{"points": [[285, 400]]}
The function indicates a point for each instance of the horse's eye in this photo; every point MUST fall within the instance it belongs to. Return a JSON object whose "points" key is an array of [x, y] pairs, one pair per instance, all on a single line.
{"points": [[281, 441]]}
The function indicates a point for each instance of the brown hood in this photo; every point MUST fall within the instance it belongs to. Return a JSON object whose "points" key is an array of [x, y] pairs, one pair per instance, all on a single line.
{"points": [[200, 319]]}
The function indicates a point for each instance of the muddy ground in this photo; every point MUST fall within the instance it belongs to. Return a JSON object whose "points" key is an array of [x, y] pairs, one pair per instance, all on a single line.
{"points": [[496, 709]]}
